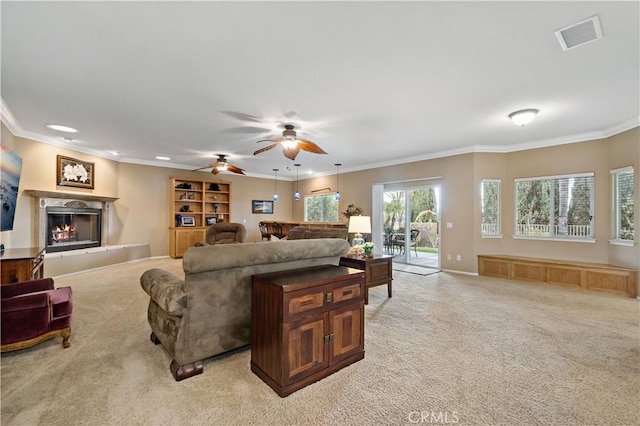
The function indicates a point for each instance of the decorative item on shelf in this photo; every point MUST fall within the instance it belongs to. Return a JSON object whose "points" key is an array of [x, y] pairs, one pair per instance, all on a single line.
{"points": [[214, 187], [188, 221], [178, 220], [183, 185], [359, 225], [352, 210], [192, 196], [184, 208], [215, 207], [211, 221], [184, 196]]}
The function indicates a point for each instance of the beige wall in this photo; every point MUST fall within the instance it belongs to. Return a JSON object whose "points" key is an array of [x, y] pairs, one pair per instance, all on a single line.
{"points": [[460, 186], [140, 214]]}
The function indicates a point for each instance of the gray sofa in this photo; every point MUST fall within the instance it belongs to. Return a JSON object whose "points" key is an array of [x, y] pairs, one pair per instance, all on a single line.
{"points": [[209, 312]]}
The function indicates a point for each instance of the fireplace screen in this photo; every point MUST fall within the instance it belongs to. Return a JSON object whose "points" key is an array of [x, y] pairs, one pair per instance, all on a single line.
{"points": [[73, 228]]}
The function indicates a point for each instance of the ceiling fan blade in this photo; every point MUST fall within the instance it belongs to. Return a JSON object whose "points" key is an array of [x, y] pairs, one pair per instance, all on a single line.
{"points": [[310, 147], [281, 139], [291, 153], [201, 168], [243, 117], [261, 150], [245, 129], [235, 169]]}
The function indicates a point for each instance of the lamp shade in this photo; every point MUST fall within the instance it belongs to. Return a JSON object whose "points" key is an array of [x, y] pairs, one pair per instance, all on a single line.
{"points": [[360, 224]]}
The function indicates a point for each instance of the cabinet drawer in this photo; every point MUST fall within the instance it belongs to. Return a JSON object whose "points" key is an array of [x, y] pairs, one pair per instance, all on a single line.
{"points": [[304, 302], [346, 292]]}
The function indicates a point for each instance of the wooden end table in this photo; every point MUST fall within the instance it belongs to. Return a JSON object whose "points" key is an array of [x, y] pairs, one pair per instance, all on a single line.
{"points": [[378, 271]]}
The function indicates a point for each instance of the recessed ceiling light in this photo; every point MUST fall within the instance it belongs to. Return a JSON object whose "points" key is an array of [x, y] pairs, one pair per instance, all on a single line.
{"points": [[159, 157], [114, 153], [67, 139], [62, 128]]}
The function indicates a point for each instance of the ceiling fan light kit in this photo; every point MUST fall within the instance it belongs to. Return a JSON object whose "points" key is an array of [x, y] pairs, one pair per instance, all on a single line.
{"points": [[291, 144]]}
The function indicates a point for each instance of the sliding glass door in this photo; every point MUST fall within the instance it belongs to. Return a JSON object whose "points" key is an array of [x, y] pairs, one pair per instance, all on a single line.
{"points": [[411, 224]]}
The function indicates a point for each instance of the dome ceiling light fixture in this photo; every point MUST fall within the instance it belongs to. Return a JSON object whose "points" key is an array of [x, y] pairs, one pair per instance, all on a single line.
{"points": [[523, 117]]}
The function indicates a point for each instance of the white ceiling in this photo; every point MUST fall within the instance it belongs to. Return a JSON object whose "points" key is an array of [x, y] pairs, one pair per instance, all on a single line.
{"points": [[372, 83]]}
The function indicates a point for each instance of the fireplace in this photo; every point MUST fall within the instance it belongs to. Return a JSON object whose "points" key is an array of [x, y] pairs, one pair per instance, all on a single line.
{"points": [[71, 228]]}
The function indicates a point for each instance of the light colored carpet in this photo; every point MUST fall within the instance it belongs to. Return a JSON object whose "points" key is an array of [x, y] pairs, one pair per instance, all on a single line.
{"points": [[446, 347], [413, 269]]}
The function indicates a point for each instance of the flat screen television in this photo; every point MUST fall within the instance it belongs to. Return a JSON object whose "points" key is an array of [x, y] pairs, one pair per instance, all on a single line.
{"points": [[10, 168]]}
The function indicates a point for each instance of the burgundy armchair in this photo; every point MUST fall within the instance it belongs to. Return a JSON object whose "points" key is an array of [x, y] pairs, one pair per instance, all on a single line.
{"points": [[34, 311]]}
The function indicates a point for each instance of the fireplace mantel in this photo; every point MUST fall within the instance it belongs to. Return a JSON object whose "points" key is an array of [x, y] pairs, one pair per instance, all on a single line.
{"points": [[59, 199], [70, 195]]}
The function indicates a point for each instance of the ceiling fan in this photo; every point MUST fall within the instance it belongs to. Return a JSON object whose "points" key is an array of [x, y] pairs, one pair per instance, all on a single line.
{"points": [[221, 165], [291, 144]]}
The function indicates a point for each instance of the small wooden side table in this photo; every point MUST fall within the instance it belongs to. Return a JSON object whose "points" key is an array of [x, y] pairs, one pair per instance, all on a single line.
{"points": [[378, 271], [21, 264]]}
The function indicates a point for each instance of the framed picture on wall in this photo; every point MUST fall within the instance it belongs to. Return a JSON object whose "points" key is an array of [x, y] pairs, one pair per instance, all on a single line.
{"points": [[262, 207], [211, 220], [72, 172], [188, 221]]}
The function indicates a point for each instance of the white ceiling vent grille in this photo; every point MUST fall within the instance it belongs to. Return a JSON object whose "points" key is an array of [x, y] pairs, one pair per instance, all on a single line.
{"points": [[580, 33]]}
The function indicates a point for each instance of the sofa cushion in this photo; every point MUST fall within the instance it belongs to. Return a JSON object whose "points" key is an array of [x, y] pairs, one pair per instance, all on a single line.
{"points": [[166, 290]]}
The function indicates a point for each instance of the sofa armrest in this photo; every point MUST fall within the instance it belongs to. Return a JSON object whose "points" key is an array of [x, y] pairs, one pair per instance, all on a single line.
{"points": [[24, 287], [25, 302], [166, 290]]}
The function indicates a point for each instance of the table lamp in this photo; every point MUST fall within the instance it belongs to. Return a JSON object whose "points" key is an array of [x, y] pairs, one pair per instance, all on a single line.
{"points": [[359, 225]]}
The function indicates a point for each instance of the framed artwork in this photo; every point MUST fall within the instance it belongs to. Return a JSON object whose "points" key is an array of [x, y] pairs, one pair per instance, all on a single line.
{"points": [[72, 172], [188, 221], [211, 221], [262, 206]]}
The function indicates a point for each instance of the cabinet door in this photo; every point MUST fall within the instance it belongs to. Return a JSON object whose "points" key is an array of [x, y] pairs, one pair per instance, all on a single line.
{"points": [[347, 331], [186, 238], [304, 347]]}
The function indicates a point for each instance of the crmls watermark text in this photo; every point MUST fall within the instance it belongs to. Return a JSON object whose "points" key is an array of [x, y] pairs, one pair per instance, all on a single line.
{"points": [[442, 417]]}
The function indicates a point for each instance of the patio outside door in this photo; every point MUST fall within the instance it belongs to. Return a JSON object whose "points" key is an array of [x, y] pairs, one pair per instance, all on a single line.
{"points": [[418, 243]]}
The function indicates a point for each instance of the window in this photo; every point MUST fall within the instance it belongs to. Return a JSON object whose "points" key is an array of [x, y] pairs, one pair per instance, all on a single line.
{"points": [[555, 207], [622, 203], [321, 208], [490, 196]]}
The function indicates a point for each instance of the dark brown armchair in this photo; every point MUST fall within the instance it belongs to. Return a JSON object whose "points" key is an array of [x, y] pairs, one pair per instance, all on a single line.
{"points": [[224, 233], [34, 311]]}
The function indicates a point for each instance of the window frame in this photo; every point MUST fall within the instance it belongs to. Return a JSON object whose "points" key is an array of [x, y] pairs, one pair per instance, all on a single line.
{"points": [[332, 195], [590, 238], [498, 232], [616, 207]]}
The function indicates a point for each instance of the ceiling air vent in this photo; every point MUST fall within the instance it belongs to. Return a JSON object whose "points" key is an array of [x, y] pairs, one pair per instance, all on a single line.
{"points": [[580, 33]]}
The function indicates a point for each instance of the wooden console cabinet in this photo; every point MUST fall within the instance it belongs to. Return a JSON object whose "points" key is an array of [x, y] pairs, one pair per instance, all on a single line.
{"points": [[306, 324], [21, 264]]}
